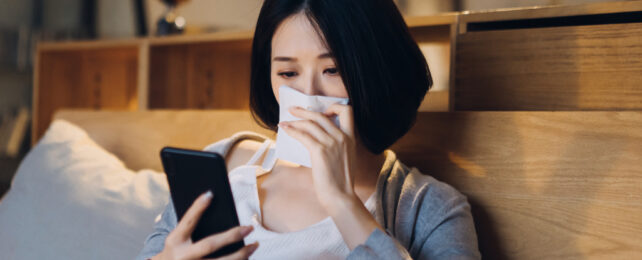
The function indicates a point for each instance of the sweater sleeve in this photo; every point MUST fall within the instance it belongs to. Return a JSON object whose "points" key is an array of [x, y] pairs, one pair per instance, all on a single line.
{"points": [[454, 237], [155, 242], [379, 245], [441, 227]]}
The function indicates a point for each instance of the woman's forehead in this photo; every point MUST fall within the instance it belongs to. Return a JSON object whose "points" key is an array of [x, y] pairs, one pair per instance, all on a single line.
{"points": [[296, 36]]}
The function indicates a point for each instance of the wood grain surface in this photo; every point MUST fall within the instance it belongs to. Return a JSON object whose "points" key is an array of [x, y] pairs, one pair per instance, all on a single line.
{"points": [[84, 79], [543, 185], [596, 67], [547, 11], [200, 76]]}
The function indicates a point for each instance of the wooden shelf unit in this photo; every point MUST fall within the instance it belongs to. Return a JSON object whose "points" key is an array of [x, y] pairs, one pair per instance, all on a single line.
{"points": [[206, 71], [589, 66]]}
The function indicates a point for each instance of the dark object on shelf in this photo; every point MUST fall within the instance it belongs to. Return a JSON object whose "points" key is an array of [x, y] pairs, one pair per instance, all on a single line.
{"points": [[170, 23], [141, 18]]}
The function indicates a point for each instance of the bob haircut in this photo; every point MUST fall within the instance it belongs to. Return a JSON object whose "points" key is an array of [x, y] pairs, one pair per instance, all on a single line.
{"points": [[384, 71]]}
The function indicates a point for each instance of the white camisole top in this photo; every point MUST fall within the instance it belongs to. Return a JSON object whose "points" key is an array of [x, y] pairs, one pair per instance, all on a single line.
{"points": [[321, 240]]}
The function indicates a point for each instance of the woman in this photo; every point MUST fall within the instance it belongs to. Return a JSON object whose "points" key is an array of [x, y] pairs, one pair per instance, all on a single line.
{"points": [[357, 200]]}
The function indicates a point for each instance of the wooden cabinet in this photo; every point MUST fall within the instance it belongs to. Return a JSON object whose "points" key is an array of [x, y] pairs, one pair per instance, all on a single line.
{"points": [[84, 79], [207, 71], [202, 76], [583, 58]]}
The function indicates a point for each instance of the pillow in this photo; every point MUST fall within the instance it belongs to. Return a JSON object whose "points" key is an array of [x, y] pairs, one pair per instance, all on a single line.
{"points": [[71, 199]]}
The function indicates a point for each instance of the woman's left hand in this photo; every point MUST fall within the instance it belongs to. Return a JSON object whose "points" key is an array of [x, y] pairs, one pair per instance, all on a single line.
{"points": [[332, 150]]}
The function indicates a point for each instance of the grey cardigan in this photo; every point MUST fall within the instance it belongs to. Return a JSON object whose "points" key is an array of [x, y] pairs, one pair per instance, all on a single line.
{"points": [[423, 217]]}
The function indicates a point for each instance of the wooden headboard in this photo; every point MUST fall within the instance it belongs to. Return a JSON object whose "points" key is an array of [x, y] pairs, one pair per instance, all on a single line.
{"points": [[543, 185], [137, 137]]}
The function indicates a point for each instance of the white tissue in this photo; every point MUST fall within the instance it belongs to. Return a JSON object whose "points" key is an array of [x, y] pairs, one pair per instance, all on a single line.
{"points": [[288, 148]]}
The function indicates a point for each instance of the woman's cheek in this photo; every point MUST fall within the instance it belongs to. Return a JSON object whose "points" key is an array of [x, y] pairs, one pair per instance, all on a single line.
{"points": [[340, 90], [336, 86]]}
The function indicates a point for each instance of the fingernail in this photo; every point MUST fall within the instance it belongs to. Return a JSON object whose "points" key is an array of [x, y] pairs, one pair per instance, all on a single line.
{"points": [[253, 247], [208, 195], [245, 230]]}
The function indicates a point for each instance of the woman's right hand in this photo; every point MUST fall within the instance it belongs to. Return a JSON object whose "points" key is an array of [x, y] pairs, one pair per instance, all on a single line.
{"points": [[179, 245]]}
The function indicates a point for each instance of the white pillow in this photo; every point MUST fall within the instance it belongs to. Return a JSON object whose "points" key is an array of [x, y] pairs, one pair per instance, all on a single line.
{"points": [[71, 199]]}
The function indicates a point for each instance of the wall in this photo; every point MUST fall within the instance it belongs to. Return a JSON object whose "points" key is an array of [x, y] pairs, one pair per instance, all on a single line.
{"points": [[115, 19], [210, 14], [425, 7]]}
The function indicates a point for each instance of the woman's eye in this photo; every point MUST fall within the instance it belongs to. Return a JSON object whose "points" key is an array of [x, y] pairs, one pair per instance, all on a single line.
{"points": [[287, 74], [331, 71]]}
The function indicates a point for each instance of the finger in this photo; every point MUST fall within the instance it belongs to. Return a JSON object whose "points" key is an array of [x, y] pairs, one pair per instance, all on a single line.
{"points": [[313, 129], [243, 253], [323, 120], [214, 242], [306, 139], [346, 118], [186, 226]]}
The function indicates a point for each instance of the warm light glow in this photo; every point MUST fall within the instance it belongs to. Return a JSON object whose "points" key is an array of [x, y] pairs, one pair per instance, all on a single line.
{"points": [[472, 168], [180, 22]]}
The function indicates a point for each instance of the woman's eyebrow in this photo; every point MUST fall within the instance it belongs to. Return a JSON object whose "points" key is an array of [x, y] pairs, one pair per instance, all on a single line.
{"points": [[325, 55], [287, 59], [281, 58]]}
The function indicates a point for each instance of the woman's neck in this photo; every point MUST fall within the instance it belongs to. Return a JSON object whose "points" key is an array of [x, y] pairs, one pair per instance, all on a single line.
{"points": [[368, 165]]}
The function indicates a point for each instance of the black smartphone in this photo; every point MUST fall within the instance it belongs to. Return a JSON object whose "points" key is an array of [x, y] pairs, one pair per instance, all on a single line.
{"points": [[190, 173]]}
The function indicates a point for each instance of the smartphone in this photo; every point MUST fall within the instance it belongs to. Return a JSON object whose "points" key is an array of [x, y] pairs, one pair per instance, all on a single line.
{"points": [[190, 173]]}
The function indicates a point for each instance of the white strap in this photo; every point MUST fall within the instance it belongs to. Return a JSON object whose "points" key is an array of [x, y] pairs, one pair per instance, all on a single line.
{"points": [[259, 152], [270, 160]]}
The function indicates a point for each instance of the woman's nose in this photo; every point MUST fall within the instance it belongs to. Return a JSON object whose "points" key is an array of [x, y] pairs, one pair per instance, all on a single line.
{"points": [[310, 86]]}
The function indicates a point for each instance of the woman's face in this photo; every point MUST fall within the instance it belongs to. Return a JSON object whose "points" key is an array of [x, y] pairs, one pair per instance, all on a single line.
{"points": [[301, 61]]}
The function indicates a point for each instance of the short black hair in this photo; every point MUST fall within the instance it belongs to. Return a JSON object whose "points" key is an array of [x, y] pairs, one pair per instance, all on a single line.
{"points": [[383, 69]]}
